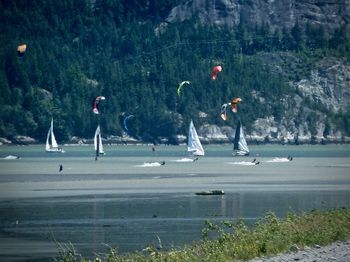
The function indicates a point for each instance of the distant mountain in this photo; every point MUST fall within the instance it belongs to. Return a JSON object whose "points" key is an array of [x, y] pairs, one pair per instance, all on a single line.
{"points": [[289, 61], [320, 90]]}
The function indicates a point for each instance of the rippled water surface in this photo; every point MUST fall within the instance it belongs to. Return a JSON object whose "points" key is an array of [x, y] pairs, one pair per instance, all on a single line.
{"points": [[124, 200]]}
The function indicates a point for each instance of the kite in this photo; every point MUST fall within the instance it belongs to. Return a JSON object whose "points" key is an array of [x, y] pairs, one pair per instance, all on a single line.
{"points": [[234, 104], [95, 104], [215, 72], [223, 111], [21, 49], [234, 107], [126, 119], [179, 89]]}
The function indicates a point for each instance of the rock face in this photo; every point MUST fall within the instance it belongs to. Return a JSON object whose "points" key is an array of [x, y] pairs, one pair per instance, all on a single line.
{"points": [[328, 84], [331, 14], [24, 140]]}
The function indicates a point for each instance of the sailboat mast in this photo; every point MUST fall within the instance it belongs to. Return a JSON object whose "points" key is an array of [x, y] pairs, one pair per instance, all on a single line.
{"points": [[51, 132], [98, 147]]}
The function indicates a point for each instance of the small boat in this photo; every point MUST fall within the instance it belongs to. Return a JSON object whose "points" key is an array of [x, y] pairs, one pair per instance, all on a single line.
{"points": [[51, 144], [98, 142], [240, 147], [210, 193], [194, 146]]}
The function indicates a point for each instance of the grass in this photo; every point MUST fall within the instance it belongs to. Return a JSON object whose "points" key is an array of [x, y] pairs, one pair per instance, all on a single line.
{"points": [[235, 241]]}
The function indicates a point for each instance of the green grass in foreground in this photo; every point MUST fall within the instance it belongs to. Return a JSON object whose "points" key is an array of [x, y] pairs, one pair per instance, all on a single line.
{"points": [[237, 241]]}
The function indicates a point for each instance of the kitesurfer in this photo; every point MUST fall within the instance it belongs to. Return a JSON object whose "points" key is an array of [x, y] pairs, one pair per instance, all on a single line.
{"points": [[162, 163], [195, 159], [60, 168]]}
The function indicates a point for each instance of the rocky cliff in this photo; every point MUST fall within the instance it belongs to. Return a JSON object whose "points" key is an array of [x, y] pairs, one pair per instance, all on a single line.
{"points": [[331, 14], [326, 84]]}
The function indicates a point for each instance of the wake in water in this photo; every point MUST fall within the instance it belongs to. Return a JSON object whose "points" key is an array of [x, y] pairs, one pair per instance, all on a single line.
{"points": [[245, 163], [280, 159], [11, 157], [185, 160], [152, 164]]}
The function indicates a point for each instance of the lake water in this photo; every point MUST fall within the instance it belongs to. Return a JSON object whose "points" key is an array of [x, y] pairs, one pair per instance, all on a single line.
{"points": [[121, 202]]}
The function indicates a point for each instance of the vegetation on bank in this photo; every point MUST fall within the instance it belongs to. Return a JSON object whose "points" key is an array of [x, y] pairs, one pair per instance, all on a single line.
{"points": [[79, 49], [236, 241]]}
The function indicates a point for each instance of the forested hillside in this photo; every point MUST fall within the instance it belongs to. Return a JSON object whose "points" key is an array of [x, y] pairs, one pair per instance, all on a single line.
{"points": [[79, 49]]}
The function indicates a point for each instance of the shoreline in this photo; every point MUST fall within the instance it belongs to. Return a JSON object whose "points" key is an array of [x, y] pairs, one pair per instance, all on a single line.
{"points": [[125, 143], [308, 237]]}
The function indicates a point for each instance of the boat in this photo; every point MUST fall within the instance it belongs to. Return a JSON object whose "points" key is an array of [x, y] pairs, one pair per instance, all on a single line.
{"points": [[51, 144], [98, 142], [194, 146], [210, 193], [240, 147]]}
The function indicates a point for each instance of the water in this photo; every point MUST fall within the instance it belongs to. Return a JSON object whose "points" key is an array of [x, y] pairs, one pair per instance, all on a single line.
{"points": [[117, 202]]}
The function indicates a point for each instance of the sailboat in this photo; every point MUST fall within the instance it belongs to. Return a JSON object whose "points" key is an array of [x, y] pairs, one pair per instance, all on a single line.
{"points": [[240, 147], [194, 146], [51, 144], [98, 142]]}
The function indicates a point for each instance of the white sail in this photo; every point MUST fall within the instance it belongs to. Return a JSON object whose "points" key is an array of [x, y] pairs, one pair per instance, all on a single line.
{"points": [[53, 139], [47, 147], [98, 142], [194, 146], [240, 146], [51, 144]]}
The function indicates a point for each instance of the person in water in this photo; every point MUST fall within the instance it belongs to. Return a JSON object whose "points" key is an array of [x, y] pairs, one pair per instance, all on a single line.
{"points": [[255, 162]]}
